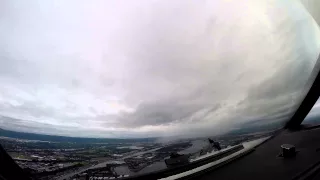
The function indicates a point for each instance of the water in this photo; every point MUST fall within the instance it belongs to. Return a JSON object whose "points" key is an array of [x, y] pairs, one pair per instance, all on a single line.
{"points": [[121, 170], [154, 167], [197, 145], [103, 164], [130, 147]]}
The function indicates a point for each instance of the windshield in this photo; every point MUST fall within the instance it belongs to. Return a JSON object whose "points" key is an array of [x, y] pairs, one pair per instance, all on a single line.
{"points": [[132, 83], [313, 116]]}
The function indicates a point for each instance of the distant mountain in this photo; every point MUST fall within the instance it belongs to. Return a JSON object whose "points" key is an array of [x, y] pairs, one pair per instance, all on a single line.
{"points": [[41, 137]]}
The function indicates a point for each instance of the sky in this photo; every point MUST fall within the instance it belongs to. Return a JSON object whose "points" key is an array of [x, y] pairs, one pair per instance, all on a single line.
{"points": [[315, 112], [149, 68]]}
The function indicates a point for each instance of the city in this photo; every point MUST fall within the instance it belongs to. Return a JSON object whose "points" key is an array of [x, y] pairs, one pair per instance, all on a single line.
{"points": [[102, 160]]}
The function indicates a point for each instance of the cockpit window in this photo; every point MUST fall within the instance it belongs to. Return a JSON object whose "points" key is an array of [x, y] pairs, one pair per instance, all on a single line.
{"points": [[127, 84], [313, 116]]}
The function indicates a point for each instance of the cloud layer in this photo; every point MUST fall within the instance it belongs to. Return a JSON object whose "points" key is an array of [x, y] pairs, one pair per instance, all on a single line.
{"points": [[153, 68]]}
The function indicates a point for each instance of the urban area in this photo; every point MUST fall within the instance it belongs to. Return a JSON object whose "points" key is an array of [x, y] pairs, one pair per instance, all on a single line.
{"points": [[110, 160]]}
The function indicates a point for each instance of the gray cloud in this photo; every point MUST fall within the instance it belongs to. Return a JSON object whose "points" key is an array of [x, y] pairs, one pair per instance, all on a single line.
{"points": [[153, 68]]}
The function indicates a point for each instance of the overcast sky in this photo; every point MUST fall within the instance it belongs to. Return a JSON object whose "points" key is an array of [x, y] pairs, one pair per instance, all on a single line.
{"points": [[152, 68], [315, 112]]}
